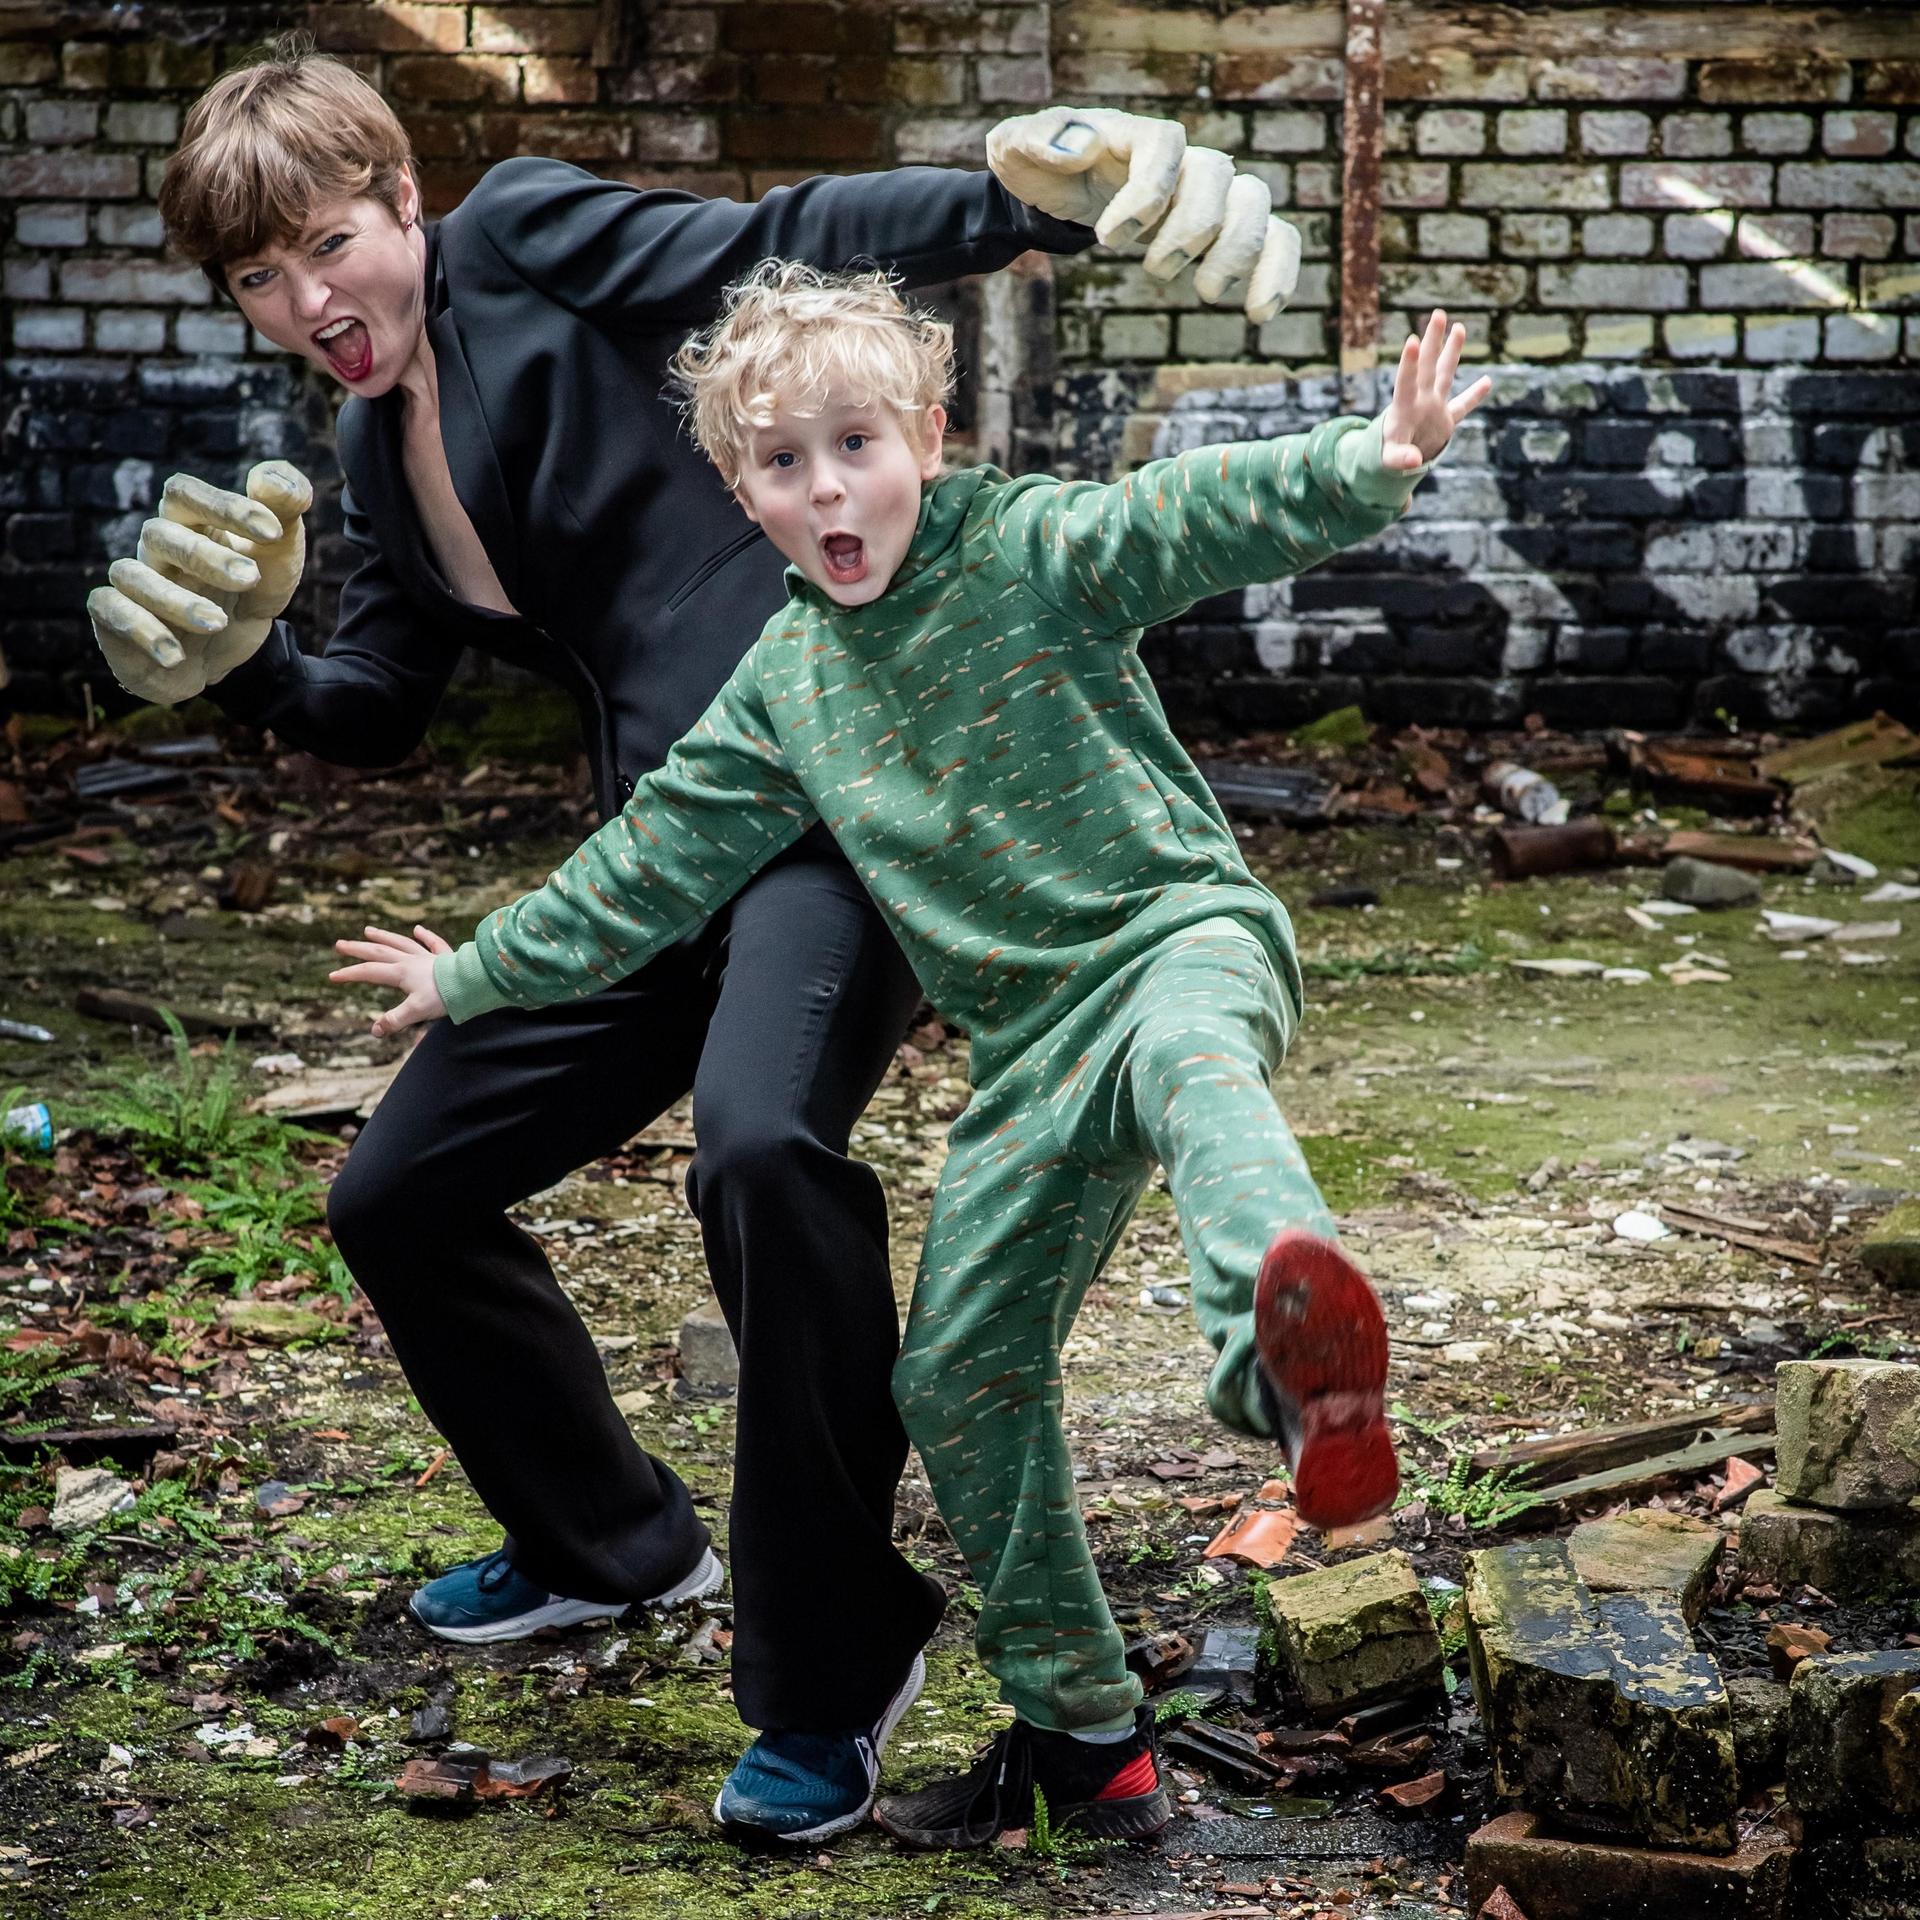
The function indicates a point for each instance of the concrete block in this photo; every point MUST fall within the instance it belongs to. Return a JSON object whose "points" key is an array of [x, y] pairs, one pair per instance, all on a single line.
{"points": [[1649, 1552], [1598, 1711], [1846, 1555], [1892, 1247], [1355, 1633], [707, 1358], [1551, 1878], [1853, 1737], [1759, 1707], [1849, 1433]]}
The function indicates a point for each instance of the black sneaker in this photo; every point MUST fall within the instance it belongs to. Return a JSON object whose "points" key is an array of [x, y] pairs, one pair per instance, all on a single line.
{"points": [[1110, 1791]]}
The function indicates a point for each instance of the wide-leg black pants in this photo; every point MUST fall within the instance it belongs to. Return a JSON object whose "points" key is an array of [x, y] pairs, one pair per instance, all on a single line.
{"points": [[781, 1016]]}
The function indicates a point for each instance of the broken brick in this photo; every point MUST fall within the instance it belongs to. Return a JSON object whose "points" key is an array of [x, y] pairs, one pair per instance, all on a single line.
{"points": [[1553, 1878], [1849, 1433], [1789, 1643], [1853, 1737], [1649, 1551], [1355, 1633], [1598, 1709], [1848, 1556], [1759, 1709]]}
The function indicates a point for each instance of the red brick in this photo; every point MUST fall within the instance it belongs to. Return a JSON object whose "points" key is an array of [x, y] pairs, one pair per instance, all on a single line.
{"points": [[705, 80], [392, 27], [550, 30], [23, 64], [788, 29], [682, 30], [86, 65], [1557, 1879], [1273, 76], [791, 133], [1894, 83], [558, 83], [792, 79], [585, 139], [444, 187], [455, 76], [685, 139], [439, 136], [69, 176], [1774, 81], [161, 66]]}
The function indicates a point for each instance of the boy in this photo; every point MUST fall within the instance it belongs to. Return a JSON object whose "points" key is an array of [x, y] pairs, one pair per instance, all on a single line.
{"points": [[953, 688]]}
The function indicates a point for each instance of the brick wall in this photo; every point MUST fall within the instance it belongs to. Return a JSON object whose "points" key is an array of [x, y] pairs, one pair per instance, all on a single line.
{"points": [[1595, 190]]}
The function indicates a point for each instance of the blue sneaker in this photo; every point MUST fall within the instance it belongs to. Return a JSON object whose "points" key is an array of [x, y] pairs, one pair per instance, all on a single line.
{"points": [[489, 1599], [804, 1787]]}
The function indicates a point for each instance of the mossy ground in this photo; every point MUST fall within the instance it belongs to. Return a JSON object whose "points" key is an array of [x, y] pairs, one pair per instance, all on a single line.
{"points": [[1429, 1082]]}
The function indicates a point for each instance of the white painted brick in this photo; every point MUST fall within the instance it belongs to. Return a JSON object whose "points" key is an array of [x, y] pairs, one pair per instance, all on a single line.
{"points": [[50, 223], [1532, 130], [1681, 550], [1701, 336], [1294, 336], [1525, 648], [27, 280], [1454, 236], [1768, 285], [1136, 336], [1858, 136], [1614, 236], [942, 143], [1774, 236], [129, 226], [1852, 336], [224, 333], [1696, 136], [1457, 131], [49, 329], [1536, 236], [1845, 183], [1611, 77], [1421, 284], [129, 330], [1886, 496], [1697, 236], [1578, 188], [1687, 185], [1782, 336], [61, 123], [1896, 285], [1758, 548], [1211, 336], [1289, 132], [1536, 336], [1776, 132], [1616, 135], [1708, 597], [143, 123], [1619, 336], [1661, 287], [1850, 236]]}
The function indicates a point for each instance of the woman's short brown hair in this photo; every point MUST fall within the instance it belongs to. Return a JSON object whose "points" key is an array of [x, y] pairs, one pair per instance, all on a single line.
{"points": [[268, 143]]}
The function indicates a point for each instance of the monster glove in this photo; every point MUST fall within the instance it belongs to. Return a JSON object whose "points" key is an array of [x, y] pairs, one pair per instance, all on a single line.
{"points": [[213, 571], [1126, 175]]}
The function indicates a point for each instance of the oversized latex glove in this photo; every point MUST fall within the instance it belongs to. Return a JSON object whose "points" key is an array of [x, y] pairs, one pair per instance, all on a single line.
{"points": [[212, 572], [1127, 176]]}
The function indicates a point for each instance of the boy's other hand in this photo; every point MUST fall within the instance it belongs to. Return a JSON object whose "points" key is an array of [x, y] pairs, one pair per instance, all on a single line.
{"points": [[394, 960], [1421, 417]]}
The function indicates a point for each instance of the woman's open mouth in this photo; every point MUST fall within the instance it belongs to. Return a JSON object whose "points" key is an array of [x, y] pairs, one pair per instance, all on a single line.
{"points": [[846, 558], [348, 347]]}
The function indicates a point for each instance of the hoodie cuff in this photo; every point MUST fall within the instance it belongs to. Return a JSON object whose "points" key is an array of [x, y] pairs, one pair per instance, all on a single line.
{"points": [[1357, 459], [463, 984]]}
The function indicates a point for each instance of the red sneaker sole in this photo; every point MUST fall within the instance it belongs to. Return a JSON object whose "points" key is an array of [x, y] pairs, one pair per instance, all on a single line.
{"points": [[1323, 1339]]}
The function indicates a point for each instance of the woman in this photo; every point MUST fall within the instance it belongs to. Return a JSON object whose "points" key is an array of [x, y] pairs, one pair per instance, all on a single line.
{"points": [[517, 483]]}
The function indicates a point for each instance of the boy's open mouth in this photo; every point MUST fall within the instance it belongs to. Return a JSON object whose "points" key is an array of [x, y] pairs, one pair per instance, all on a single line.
{"points": [[846, 558], [348, 347]]}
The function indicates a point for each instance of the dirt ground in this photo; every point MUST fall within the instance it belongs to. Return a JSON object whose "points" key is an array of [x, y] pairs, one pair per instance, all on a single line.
{"points": [[1478, 1128]]}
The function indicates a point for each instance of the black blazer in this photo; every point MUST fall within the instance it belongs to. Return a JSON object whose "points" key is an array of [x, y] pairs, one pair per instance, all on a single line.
{"points": [[555, 300]]}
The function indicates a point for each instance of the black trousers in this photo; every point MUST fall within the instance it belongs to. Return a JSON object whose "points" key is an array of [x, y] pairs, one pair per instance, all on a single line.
{"points": [[782, 1016]]}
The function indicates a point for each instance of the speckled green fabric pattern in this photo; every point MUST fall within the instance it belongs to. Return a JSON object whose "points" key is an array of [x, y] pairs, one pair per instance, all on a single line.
{"points": [[1170, 1063]]}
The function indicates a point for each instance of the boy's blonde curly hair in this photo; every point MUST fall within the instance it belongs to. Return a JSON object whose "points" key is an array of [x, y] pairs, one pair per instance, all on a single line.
{"points": [[784, 332]]}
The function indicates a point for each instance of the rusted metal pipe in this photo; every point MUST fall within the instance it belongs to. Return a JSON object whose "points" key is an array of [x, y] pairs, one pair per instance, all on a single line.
{"points": [[1519, 853]]}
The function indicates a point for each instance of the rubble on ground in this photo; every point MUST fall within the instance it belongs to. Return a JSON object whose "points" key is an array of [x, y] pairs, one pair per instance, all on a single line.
{"points": [[1355, 1633]]}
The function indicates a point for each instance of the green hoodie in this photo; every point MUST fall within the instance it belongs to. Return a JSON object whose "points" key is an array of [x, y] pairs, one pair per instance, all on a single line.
{"points": [[981, 740]]}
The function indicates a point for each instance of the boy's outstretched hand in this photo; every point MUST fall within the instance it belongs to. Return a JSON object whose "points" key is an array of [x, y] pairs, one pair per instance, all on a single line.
{"points": [[394, 960], [1420, 418]]}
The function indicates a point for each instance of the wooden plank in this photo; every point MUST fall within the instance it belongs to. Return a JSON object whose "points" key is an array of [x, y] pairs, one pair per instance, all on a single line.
{"points": [[1417, 29], [1642, 1476], [1864, 743], [1360, 195], [1594, 1449], [1756, 852], [1752, 1235]]}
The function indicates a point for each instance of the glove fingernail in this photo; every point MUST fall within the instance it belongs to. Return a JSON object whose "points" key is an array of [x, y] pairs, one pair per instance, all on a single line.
{"points": [[169, 653]]}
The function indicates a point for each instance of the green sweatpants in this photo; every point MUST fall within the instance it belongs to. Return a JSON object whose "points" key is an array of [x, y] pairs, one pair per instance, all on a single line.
{"points": [[1169, 1062]]}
